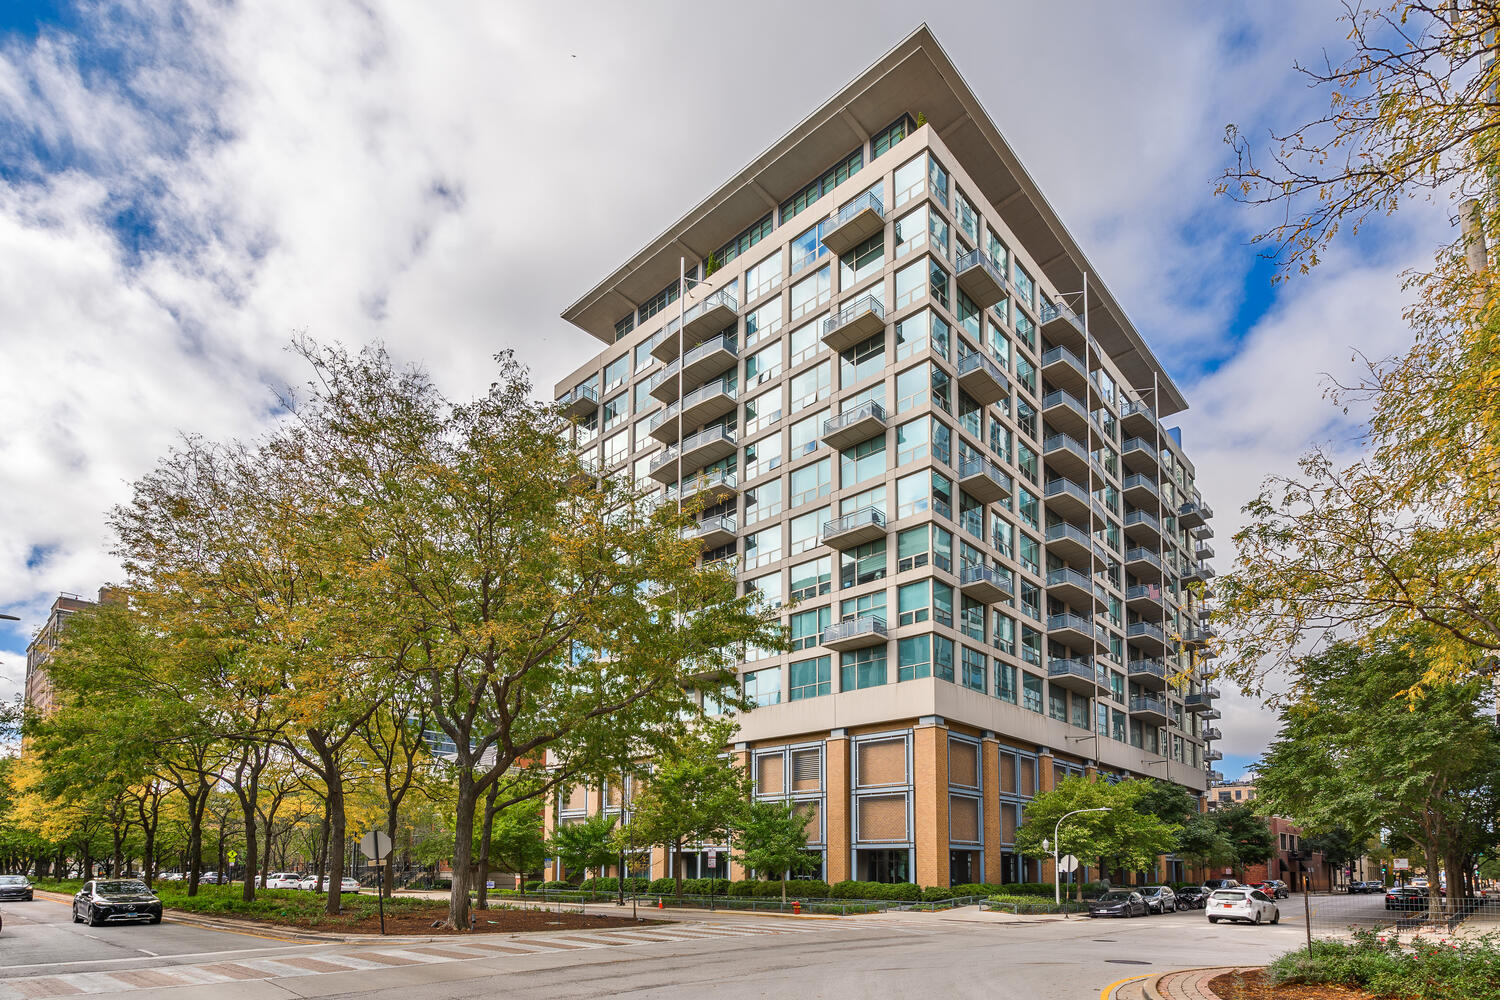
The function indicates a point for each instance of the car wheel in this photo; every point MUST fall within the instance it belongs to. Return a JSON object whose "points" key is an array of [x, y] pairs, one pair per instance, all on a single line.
{"points": [[93, 920], [1213, 920], [1256, 919], [157, 919], [1276, 916], [76, 918]]}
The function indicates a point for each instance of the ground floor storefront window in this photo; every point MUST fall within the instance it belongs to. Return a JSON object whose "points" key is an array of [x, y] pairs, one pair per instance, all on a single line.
{"points": [[883, 865]]}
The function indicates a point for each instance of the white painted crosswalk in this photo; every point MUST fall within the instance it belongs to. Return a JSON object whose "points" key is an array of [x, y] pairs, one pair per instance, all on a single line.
{"points": [[361, 957]]}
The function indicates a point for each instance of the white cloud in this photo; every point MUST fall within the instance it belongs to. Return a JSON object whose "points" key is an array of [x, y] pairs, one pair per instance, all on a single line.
{"points": [[447, 176]]}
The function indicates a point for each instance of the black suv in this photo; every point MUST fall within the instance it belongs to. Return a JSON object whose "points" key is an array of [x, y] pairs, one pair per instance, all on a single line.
{"points": [[114, 901]]}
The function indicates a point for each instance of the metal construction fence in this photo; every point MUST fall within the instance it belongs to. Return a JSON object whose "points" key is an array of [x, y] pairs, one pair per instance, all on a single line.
{"points": [[1340, 915]]}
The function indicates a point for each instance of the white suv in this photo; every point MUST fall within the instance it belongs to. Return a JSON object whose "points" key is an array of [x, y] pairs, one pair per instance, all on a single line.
{"points": [[283, 880], [1242, 903]]}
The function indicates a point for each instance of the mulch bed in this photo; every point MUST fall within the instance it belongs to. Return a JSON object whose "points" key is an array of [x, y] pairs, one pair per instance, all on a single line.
{"points": [[492, 921], [1253, 986]]}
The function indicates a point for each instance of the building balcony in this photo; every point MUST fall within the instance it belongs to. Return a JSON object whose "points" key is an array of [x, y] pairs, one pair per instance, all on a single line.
{"points": [[714, 531], [855, 322], [1070, 543], [847, 429], [696, 451], [587, 474], [1148, 672], [1141, 491], [1209, 756], [1149, 708], [983, 480], [1061, 325], [1214, 776], [579, 402], [1208, 652], [856, 633], [715, 487], [864, 525], [1065, 412], [982, 379], [1144, 599], [1203, 551], [985, 584], [1067, 499], [855, 222], [1075, 588], [1140, 455], [1066, 370], [1190, 515], [1138, 420], [1203, 532], [1194, 637], [1210, 715], [1067, 455], [710, 358], [980, 278], [703, 404], [1142, 526], [1073, 674], [1211, 733], [1143, 563], [1144, 635], [1204, 614], [1071, 630], [699, 321]]}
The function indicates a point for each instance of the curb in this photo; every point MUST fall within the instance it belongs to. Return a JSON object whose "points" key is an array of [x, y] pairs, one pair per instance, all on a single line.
{"points": [[1152, 983]]}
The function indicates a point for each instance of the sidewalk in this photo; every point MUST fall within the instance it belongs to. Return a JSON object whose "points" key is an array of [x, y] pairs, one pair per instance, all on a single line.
{"points": [[1184, 984]]}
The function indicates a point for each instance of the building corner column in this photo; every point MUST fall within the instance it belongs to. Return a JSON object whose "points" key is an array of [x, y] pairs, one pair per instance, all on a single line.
{"points": [[836, 799], [930, 808]]}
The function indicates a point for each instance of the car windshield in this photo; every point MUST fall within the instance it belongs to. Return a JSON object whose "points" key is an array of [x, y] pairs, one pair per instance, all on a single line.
{"points": [[112, 887], [1114, 897], [1228, 895], [12, 879]]}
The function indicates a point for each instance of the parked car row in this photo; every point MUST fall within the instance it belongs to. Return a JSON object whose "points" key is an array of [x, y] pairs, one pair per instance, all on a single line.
{"points": [[309, 883]]}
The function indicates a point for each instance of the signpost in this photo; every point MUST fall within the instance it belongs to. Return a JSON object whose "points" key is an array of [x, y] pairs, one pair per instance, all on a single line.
{"points": [[375, 845], [713, 868]]}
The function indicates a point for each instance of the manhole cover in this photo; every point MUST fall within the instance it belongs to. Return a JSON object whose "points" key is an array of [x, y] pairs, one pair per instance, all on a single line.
{"points": [[1125, 961], [1106, 941]]}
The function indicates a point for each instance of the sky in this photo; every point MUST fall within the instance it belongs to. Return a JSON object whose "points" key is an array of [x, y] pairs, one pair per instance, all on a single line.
{"points": [[186, 185]]}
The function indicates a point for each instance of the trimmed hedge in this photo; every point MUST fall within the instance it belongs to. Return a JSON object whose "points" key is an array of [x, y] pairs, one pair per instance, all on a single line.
{"points": [[893, 892], [613, 885], [690, 887], [795, 888]]}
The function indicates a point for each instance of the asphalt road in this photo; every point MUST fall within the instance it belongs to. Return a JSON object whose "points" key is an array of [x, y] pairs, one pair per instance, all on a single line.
{"points": [[731, 956]]}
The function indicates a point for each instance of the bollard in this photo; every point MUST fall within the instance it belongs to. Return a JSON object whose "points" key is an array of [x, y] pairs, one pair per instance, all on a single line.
{"points": [[796, 906]]}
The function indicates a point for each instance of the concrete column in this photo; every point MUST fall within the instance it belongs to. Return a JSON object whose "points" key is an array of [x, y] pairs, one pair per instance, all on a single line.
{"points": [[989, 761], [836, 805], [930, 810], [1044, 784], [742, 757]]}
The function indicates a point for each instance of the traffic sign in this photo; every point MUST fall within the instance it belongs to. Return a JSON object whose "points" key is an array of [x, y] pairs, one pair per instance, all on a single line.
{"points": [[375, 844], [1067, 863], [232, 856], [713, 858], [1401, 863]]}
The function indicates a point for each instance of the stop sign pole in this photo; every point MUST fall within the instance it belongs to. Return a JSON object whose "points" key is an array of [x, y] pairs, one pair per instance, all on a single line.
{"points": [[375, 845]]}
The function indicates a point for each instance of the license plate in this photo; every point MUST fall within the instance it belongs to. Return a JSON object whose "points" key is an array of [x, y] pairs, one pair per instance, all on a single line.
{"points": [[1227, 906]]}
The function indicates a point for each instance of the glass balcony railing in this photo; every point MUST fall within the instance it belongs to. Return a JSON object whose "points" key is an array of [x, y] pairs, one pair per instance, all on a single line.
{"points": [[1061, 355], [867, 202], [1055, 443], [1148, 703], [865, 305], [1056, 311], [1070, 622], [1136, 481]]}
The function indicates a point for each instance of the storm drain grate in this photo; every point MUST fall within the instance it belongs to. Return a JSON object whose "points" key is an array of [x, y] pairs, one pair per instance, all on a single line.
{"points": [[1125, 961]]}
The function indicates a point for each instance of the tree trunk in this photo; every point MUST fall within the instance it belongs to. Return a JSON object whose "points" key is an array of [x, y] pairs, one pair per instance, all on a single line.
{"points": [[680, 861], [463, 851], [388, 873], [1434, 892], [481, 881], [322, 865], [337, 835]]}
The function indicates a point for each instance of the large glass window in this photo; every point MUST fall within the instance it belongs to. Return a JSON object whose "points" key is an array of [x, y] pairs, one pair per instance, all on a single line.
{"points": [[865, 460], [911, 284], [762, 278], [968, 219], [865, 359], [811, 386], [763, 411], [910, 180], [862, 262], [863, 564], [763, 547], [971, 619], [912, 441], [1005, 682], [938, 281], [806, 433], [942, 603], [805, 528], [1031, 692], [763, 687], [762, 456], [615, 411], [973, 673], [862, 668], [807, 626], [911, 231], [811, 292], [811, 481], [810, 678], [763, 500], [937, 177], [763, 322], [871, 605], [812, 578], [914, 602], [1003, 632], [913, 388], [763, 366], [806, 341], [914, 657], [616, 372]]}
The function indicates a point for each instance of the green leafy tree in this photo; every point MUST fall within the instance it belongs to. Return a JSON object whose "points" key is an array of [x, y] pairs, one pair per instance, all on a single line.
{"points": [[1128, 836], [1202, 844], [1355, 750], [694, 794], [1406, 535], [1248, 835], [772, 840], [1167, 801], [587, 844], [517, 841], [1338, 845]]}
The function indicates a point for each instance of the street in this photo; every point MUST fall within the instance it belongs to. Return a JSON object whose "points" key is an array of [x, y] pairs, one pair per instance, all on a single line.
{"points": [[958, 953]]}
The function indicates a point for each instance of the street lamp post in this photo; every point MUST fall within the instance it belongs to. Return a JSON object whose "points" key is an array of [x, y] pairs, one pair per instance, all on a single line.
{"points": [[1056, 882]]}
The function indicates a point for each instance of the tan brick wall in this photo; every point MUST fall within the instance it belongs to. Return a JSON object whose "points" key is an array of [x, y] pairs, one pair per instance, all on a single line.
{"points": [[1044, 784], [930, 788], [990, 782], [836, 807]]}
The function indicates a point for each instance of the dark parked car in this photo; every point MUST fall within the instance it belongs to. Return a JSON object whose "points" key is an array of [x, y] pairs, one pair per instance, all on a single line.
{"points": [[1405, 898], [1220, 883], [1366, 886], [15, 887], [1159, 898], [1118, 903], [1192, 897], [106, 901]]}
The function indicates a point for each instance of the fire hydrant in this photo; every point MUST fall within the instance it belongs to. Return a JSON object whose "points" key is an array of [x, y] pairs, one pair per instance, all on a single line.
{"points": [[796, 906]]}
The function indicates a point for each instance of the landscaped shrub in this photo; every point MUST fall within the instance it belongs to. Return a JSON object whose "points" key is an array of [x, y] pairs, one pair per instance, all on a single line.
{"points": [[1384, 967], [534, 885], [557, 884]]}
